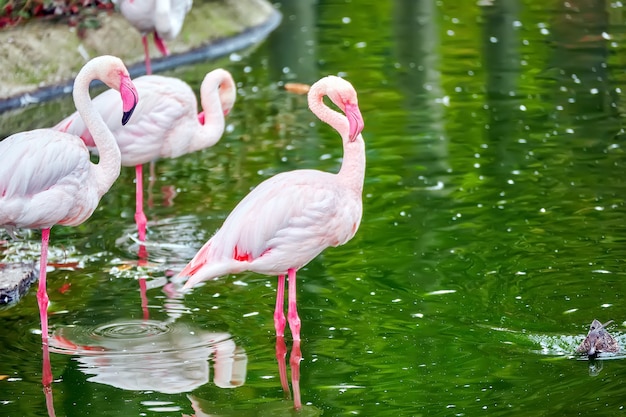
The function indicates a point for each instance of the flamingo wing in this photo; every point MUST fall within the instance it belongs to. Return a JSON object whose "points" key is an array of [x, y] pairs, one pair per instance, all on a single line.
{"points": [[26, 173], [161, 123], [46, 187], [283, 223]]}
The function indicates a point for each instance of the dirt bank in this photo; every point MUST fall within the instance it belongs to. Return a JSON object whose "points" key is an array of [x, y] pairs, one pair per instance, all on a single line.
{"points": [[40, 54]]}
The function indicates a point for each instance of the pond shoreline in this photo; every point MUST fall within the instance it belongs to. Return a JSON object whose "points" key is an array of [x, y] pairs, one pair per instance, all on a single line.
{"points": [[13, 285], [185, 52]]}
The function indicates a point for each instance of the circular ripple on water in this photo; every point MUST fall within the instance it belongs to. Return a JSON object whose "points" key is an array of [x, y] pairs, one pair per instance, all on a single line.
{"points": [[135, 329], [132, 337]]}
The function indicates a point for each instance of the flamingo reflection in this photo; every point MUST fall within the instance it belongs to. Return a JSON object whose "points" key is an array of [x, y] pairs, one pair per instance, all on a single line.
{"points": [[142, 355]]}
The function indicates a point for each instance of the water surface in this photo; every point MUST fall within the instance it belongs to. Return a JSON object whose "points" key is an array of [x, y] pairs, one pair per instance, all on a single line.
{"points": [[493, 230]]}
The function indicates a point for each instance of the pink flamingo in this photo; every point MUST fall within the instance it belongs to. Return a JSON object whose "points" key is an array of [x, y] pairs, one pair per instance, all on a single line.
{"points": [[162, 17], [166, 123], [47, 177], [290, 218]]}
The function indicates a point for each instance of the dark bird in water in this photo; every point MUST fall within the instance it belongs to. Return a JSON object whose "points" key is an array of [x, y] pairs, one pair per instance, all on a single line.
{"points": [[598, 340]]}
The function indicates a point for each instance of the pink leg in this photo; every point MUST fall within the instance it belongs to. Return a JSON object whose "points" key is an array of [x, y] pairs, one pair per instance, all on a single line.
{"points": [[292, 311], [279, 314], [151, 181], [294, 362], [42, 294], [46, 380], [140, 216], [144, 298], [281, 353], [160, 44], [146, 51]]}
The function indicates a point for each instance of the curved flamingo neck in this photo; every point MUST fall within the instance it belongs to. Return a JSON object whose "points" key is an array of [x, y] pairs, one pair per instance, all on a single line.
{"points": [[352, 168], [108, 167], [210, 131]]}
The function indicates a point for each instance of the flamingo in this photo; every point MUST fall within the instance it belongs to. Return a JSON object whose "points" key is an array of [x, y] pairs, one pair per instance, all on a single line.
{"points": [[46, 176], [166, 123], [290, 218], [162, 17]]}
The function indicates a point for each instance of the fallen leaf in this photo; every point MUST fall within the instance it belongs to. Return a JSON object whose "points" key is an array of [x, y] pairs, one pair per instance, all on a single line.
{"points": [[297, 88]]}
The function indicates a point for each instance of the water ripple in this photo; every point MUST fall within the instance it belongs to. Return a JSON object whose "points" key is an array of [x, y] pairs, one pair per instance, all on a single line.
{"points": [[150, 355]]}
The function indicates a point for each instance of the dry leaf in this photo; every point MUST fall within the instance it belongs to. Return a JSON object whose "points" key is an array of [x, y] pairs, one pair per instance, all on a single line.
{"points": [[297, 88]]}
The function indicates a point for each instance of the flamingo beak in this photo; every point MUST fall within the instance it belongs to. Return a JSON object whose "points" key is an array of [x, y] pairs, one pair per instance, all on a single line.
{"points": [[130, 97], [355, 120]]}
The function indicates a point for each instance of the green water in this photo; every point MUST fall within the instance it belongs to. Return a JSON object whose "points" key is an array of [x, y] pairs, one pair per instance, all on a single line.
{"points": [[493, 229]]}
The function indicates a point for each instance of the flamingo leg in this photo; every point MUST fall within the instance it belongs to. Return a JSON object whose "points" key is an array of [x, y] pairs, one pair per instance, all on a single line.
{"points": [[151, 181], [281, 353], [292, 311], [294, 362], [42, 294], [144, 298], [46, 380], [140, 216], [160, 44], [279, 314], [146, 51]]}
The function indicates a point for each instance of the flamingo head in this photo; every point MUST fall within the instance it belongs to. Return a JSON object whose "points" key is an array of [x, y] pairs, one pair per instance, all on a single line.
{"points": [[227, 92], [220, 82], [344, 96], [115, 75]]}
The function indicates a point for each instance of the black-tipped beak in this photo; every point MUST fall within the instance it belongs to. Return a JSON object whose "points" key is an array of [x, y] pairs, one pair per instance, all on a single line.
{"points": [[126, 115], [130, 98]]}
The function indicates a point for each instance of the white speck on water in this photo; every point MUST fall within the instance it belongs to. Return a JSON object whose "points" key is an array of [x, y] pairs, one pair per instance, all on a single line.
{"points": [[254, 313], [346, 20], [441, 292], [606, 305]]}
